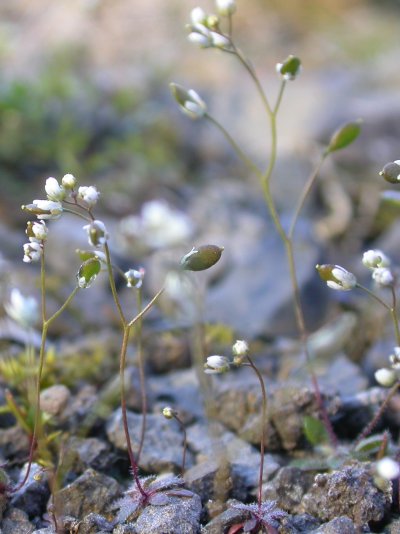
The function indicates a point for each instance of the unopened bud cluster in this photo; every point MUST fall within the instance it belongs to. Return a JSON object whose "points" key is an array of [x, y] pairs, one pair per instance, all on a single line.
{"points": [[221, 364], [204, 29], [379, 264], [51, 208]]}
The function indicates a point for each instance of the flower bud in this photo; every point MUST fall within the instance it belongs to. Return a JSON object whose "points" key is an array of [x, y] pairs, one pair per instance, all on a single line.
{"points": [[388, 468], [385, 377], [290, 68], [220, 41], [383, 277], [216, 364], [134, 278], [344, 136], [189, 101], [336, 277], [44, 209], [32, 252], [240, 350], [391, 172], [212, 22], [168, 412], [69, 181], [97, 233], [198, 16], [89, 194], [375, 258], [226, 7], [201, 258], [88, 272], [54, 190], [36, 231], [199, 39]]}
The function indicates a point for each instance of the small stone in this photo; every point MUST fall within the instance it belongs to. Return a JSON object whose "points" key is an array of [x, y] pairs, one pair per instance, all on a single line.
{"points": [[54, 399], [16, 521], [339, 525], [350, 492], [91, 492], [180, 516], [34, 494]]}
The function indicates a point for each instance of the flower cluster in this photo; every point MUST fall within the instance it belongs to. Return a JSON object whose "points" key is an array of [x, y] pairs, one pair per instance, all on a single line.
{"points": [[204, 29], [379, 263], [51, 208], [221, 364]]}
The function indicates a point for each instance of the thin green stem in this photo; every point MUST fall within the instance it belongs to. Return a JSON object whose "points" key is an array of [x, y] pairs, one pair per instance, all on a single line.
{"points": [[147, 307], [374, 296], [68, 210], [246, 64], [242, 156], [303, 197], [263, 426], [279, 98], [180, 422], [122, 362], [64, 306], [112, 285], [143, 393]]}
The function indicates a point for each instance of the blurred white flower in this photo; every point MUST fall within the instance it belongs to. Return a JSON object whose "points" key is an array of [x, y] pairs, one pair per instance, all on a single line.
{"points": [[387, 468], [383, 276], [134, 278], [158, 225], [89, 194], [54, 190], [69, 181], [375, 258], [216, 365], [45, 209], [24, 310], [198, 15], [395, 359], [226, 7], [219, 41], [32, 252], [97, 233], [385, 377], [36, 231]]}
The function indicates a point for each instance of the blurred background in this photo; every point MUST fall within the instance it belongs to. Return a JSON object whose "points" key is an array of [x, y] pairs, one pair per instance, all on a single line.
{"points": [[84, 90]]}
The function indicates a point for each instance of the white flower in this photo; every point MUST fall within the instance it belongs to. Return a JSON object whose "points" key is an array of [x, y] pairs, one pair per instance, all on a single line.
{"points": [[219, 41], [226, 7], [341, 279], [168, 412], [54, 190], [158, 225], [46, 209], [240, 348], [375, 258], [68, 181], [36, 231], [32, 252], [199, 39], [216, 364], [194, 107], [134, 278], [24, 310], [97, 233], [198, 15], [388, 468], [383, 276], [89, 194], [290, 68], [385, 377]]}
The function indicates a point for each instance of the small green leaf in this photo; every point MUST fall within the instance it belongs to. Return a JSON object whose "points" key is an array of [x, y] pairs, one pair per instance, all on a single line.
{"points": [[314, 430], [344, 136], [391, 197], [371, 445]]}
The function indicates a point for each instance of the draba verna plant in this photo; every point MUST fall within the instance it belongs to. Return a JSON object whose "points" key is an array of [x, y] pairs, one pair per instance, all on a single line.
{"points": [[267, 513]]}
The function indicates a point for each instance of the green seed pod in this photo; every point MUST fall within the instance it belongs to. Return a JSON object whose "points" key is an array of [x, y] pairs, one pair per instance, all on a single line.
{"points": [[344, 136], [201, 258], [391, 172], [88, 272]]}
